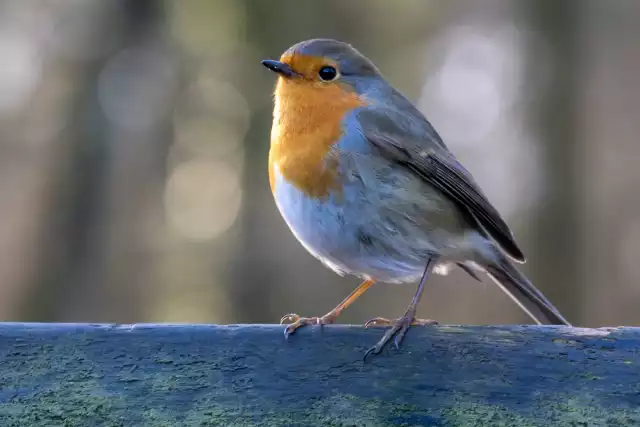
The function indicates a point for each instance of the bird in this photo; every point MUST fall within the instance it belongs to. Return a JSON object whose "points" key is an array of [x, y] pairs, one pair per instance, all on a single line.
{"points": [[368, 187]]}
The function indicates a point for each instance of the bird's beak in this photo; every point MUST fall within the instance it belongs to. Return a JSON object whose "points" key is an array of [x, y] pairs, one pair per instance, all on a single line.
{"points": [[280, 68]]}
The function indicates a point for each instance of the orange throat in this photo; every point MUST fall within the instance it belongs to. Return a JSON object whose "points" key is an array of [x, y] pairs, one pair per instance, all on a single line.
{"points": [[307, 122]]}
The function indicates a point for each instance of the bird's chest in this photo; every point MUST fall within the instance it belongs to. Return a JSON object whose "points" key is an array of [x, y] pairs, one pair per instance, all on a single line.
{"points": [[363, 229], [321, 223], [308, 122], [314, 185]]}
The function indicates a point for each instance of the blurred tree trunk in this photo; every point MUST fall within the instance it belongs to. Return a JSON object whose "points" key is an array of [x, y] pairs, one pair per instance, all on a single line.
{"points": [[74, 275], [73, 162], [609, 172], [554, 76]]}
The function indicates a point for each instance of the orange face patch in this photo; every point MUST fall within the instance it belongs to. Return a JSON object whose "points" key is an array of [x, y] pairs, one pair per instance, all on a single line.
{"points": [[307, 121], [307, 66]]}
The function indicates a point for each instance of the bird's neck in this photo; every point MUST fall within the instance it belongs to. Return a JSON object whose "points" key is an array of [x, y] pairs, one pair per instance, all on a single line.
{"points": [[307, 122]]}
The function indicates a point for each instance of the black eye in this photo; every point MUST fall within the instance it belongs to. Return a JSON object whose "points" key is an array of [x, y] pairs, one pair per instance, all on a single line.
{"points": [[327, 73]]}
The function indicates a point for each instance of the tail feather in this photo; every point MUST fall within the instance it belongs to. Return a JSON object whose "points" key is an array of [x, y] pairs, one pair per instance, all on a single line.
{"points": [[527, 296]]}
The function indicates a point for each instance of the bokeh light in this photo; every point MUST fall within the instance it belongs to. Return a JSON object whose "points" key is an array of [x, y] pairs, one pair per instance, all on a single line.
{"points": [[203, 198], [135, 88], [20, 71]]}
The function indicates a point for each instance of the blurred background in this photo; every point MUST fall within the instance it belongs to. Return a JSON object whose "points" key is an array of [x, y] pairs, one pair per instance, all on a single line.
{"points": [[134, 138]]}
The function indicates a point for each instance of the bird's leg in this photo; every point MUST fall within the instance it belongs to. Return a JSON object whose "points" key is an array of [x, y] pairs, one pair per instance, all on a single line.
{"points": [[330, 317], [400, 326]]}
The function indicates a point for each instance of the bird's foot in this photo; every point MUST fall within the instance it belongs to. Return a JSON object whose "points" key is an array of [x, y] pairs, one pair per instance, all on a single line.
{"points": [[296, 322], [399, 328]]}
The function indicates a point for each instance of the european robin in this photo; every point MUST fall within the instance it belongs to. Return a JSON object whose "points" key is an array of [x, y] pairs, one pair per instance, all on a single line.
{"points": [[368, 187]]}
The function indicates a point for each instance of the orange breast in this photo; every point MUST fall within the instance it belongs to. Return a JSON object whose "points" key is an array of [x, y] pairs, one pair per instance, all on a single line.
{"points": [[307, 121]]}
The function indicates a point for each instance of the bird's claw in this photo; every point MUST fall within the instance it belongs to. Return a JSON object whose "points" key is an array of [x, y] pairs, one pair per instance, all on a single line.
{"points": [[289, 318], [382, 321], [378, 321], [399, 328], [296, 322]]}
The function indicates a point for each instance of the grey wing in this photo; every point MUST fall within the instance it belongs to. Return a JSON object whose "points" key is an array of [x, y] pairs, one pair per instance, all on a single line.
{"points": [[429, 158]]}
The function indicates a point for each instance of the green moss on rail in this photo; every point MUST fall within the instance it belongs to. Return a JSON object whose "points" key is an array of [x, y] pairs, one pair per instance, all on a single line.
{"points": [[86, 406]]}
